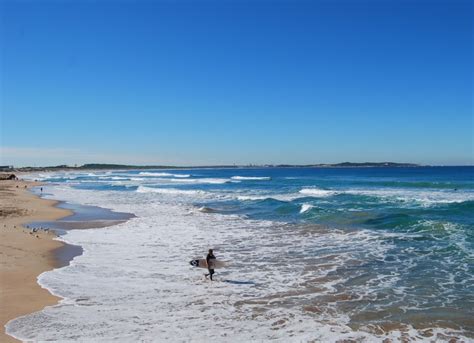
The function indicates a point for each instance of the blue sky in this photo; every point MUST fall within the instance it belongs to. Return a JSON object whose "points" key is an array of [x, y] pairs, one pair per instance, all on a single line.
{"points": [[219, 82]]}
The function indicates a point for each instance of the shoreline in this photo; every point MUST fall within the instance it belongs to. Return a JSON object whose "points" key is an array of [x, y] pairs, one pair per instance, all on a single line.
{"points": [[169, 229], [27, 250], [25, 254]]}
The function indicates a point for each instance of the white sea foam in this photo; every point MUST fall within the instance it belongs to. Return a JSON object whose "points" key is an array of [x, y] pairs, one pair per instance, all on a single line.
{"points": [[306, 207], [171, 180], [252, 197], [181, 175], [251, 178], [174, 191], [424, 197], [202, 180], [113, 178], [163, 174], [134, 283], [316, 192], [40, 176]]}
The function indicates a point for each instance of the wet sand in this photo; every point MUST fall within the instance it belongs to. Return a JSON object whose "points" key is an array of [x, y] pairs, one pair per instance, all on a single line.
{"points": [[25, 254], [28, 226]]}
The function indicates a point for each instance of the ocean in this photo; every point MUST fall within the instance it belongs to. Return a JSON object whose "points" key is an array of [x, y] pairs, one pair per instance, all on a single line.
{"points": [[321, 254]]}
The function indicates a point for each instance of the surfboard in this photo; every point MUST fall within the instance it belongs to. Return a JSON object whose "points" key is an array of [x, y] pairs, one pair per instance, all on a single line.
{"points": [[201, 263]]}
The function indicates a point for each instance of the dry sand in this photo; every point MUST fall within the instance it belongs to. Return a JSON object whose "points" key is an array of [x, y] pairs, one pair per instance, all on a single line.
{"points": [[24, 255]]}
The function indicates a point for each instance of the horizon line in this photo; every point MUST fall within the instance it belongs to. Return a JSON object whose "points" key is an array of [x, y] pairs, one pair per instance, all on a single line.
{"points": [[344, 164]]}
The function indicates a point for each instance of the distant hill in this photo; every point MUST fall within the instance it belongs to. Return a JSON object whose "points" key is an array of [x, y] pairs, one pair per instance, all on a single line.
{"points": [[106, 166], [351, 165], [374, 164]]}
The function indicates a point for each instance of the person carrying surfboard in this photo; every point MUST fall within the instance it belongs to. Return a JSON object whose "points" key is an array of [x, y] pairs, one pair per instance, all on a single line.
{"points": [[210, 258]]}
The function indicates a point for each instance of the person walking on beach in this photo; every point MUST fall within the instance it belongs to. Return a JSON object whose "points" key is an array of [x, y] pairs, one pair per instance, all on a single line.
{"points": [[210, 258]]}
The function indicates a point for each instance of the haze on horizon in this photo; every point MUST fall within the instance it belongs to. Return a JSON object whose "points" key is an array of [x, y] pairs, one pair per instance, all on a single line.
{"points": [[224, 82]]}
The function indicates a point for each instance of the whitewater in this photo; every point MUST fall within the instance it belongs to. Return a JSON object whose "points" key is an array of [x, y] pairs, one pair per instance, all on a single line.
{"points": [[322, 276]]}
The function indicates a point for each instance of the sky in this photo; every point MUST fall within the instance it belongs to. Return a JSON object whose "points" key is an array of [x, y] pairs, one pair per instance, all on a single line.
{"points": [[222, 82]]}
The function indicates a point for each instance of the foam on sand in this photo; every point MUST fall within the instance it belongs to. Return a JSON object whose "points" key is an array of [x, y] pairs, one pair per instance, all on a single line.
{"points": [[295, 280], [134, 283]]}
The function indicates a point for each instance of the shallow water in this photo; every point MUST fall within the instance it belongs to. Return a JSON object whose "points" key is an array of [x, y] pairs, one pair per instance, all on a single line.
{"points": [[321, 254]]}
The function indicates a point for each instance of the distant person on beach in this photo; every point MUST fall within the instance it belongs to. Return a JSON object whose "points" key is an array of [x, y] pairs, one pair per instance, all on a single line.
{"points": [[210, 256], [41, 189]]}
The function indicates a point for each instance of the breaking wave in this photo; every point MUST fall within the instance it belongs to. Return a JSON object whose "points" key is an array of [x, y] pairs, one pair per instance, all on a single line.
{"points": [[163, 174], [316, 192], [173, 191], [202, 180], [251, 178], [306, 207]]}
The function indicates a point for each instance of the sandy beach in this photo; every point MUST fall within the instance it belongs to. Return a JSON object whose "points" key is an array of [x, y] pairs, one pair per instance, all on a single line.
{"points": [[24, 254]]}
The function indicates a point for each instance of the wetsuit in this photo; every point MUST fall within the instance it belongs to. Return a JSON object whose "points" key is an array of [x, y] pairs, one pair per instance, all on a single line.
{"points": [[210, 257]]}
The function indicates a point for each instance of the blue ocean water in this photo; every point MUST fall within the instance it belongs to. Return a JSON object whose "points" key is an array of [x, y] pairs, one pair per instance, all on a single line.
{"points": [[377, 248], [377, 198]]}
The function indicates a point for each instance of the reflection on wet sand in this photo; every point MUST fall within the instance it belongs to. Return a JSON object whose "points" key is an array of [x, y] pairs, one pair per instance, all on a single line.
{"points": [[333, 278]]}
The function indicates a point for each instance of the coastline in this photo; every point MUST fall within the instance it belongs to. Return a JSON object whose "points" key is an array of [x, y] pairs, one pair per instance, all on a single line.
{"points": [[27, 250], [149, 252], [126, 168], [25, 254]]}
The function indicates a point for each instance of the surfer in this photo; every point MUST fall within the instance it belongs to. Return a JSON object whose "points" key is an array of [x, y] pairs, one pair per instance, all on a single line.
{"points": [[210, 256]]}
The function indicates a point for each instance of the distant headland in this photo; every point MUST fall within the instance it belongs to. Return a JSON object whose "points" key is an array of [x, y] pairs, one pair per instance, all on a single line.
{"points": [[106, 166]]}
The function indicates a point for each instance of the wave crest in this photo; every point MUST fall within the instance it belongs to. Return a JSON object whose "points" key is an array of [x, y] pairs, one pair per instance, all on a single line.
{"points": [[164, 174], [317, 192], [306, 207], [251, 178], [174, 191]]}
